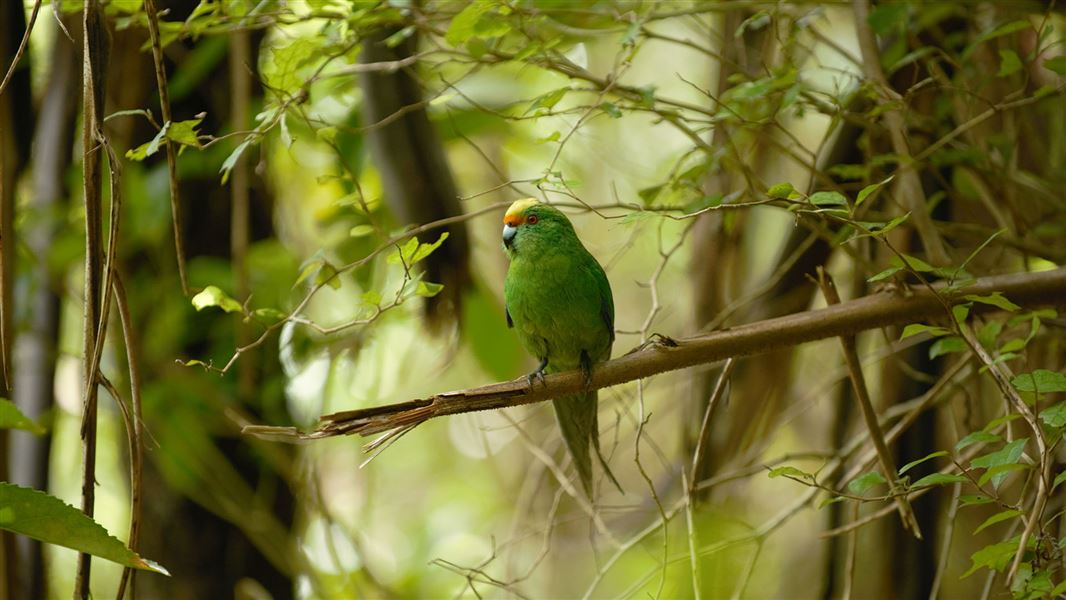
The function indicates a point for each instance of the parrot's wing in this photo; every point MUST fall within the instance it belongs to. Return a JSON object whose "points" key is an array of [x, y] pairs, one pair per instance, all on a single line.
{"points": [[507, 313], [606, 298]]}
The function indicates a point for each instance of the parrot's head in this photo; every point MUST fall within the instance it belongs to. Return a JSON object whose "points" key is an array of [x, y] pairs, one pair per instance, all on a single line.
{"points": [[532, 227]]}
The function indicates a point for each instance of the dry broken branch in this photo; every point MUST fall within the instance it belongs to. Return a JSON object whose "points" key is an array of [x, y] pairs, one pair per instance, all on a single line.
{"points": [[665, 354]]}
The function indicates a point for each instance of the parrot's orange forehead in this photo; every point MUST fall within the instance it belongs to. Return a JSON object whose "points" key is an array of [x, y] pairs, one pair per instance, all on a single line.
{"points": [[514, 214]]}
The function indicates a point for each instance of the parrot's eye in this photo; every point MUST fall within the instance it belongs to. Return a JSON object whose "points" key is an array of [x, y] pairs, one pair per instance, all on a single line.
{"points": [[531, 219]]}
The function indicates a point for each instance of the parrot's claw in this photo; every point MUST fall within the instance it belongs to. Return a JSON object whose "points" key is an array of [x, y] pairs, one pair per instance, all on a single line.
{"points": [[538, 374]]}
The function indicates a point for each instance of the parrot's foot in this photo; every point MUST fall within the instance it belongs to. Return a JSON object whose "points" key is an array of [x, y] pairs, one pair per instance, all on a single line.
{"points": [[586, 369], [538, 374]]}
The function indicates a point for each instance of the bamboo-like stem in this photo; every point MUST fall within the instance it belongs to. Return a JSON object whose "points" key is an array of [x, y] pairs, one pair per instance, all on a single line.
{"points": [[862, 393], [94, 60], [664, 354]]}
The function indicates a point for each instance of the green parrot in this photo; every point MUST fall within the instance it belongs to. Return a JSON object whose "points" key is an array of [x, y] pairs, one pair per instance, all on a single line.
{"points": [[559, 302]]}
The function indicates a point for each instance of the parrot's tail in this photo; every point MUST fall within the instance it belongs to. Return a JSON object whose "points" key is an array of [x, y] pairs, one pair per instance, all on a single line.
{"points": [[579, 424]]}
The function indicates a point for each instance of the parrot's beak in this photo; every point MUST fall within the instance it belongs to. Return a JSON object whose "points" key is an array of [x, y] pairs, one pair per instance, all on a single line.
{"points": [[509, 232]]}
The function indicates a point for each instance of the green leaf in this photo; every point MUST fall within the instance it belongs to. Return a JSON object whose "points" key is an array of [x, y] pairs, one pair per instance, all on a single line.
{"points": [[427, 289], [1040, 380], [889, 272], [997, 518], [865, 481], [213, 296], [828, 199], [547, 101], [1056, 64], [974, 499], [12, 418], [231, 160], [790, 472], [184, 132], [946, 345], [917, 328], [960, 312], [1009, 63], [283, 63], [361, 230], [781, 190], [977, 437], [424, 250], [1054, 416], [870, 189], [938, 479], [149, 148], [1007, 455], [888, 16], [1007, 418], [995, 299], [1058, 479], [915, 463], [464, 24], [46, 518], [879, 228], [999, 473], [371, 298], [611, 109], [996, 556]]}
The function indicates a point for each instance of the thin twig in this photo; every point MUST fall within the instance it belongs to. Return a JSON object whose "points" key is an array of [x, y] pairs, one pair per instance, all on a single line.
{"points": [[858, 381], [134, 429], [172, 151], [21, 49], [699, 456]]}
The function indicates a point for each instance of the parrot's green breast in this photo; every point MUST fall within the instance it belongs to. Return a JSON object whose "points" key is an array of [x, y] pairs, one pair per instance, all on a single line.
{"points": [[559, 308]]}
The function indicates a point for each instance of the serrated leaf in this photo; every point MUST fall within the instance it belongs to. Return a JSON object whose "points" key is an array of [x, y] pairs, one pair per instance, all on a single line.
{"points": [[1040, 380], [1056, 64], [995, 299], [46, 518], [1009, 63], [865, 481], [184, 132], [917, 328], [977, 437], [427, 289], [915, 463], [213, 296], [790, 472], [12, 418], [870, 189], [149, 148], [828, 199], [939, 479], [997, 518], [1054, 416]]}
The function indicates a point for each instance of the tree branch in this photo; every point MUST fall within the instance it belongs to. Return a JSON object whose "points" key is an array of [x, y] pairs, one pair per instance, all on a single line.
{"points": [[665, 354]]}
